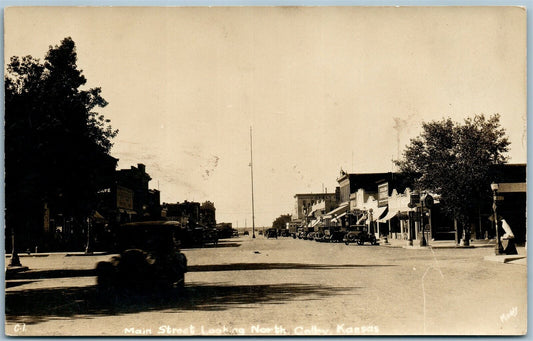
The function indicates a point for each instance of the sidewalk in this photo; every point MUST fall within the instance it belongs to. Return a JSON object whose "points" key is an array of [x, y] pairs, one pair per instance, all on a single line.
{"points": [[438, 244], [520, 258]]}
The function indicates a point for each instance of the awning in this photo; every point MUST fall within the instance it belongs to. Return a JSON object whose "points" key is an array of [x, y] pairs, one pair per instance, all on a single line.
{"points": [[98, 216], [341, 215], [360, 220], [127, 211], [388, 216], [378, 213], [315, 222], [340, 209]]}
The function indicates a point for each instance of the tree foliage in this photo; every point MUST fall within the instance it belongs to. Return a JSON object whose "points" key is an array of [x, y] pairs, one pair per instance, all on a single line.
{"points": [[453, 160], [281, 221], [56, 144]]}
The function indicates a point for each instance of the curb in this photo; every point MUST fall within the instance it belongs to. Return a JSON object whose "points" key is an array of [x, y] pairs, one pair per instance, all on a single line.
{"points": [[30, 255], [503, 258], [16, 269], [87, 254]]}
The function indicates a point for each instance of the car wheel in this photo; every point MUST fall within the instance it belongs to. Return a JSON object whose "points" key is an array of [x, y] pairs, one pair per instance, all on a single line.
{"points": [[360, 242], [104, 275]]}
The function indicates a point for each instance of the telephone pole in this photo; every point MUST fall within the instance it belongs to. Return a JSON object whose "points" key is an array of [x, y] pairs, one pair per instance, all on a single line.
{"points": [[252, 176]]}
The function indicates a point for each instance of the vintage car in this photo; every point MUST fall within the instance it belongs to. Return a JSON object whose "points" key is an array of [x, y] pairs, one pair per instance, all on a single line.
{"points": [[319, 236], [246, 233], [149, 258], [359, 234], [210, 235], [335, 236], [271, 233]]}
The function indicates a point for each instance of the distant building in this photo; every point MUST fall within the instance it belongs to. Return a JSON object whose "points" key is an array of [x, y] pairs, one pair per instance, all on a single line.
{"points": [[208, 214], [187, 213], [129, 198], [305, 201], [363, 197]]}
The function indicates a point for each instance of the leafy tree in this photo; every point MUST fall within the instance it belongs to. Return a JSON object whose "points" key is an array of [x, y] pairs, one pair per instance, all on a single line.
{"points": [[56, 145], [453, 160], [281, 221]]}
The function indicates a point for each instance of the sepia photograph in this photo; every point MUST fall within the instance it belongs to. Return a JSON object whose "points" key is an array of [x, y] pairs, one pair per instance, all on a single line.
{"points": [[194, 171]]}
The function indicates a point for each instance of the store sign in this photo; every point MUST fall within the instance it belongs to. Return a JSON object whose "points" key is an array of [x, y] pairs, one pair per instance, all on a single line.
{"points": [[383, 194], [46, 220]]}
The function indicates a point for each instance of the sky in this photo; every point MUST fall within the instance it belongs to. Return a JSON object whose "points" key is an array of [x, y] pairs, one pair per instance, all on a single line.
{"points": [[323, 88]]}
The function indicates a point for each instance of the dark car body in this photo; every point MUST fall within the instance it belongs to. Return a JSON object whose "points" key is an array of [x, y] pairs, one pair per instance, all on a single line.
{"points": [[359, 234], [336, 236], [320, 237], [210, 236], [149, 257], [271, 233]]}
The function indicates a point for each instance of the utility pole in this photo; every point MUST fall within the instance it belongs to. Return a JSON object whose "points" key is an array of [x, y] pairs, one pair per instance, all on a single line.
{"points": [[252, 176]]}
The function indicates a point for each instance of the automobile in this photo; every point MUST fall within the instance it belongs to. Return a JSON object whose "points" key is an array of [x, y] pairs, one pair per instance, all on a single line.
{"points": [[320, 237], [210, 235], [149, 258], [260, 232], [359, 234], [336, 236], [285, 233], [246, 233], [271, 233], [310, 236], [192, 235]]}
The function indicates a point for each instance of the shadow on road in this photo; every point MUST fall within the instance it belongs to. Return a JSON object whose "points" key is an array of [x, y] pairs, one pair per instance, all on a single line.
{"points": [[16, 284], [40, 305], [210, 246], [276, 266], [56, 273], [71, 273]]}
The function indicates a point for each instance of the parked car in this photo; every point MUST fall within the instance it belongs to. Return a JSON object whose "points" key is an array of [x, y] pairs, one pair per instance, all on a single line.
{"points": [[271, 233], [359, 234], [310, 236], [320, 237], [336, 236], [210, 235], [149, 258]]}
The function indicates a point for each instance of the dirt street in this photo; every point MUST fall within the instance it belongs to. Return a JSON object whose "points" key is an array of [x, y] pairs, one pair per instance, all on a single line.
{"points": [[282, 286]]}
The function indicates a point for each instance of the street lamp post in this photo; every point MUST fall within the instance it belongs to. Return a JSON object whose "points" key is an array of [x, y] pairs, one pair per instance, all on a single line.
{"points": [[370, 226], [499, 248], [15, 260], [88, 245]]}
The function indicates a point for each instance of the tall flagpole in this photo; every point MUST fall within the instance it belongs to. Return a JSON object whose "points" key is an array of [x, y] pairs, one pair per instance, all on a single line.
{"points": [[252, 176]]}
